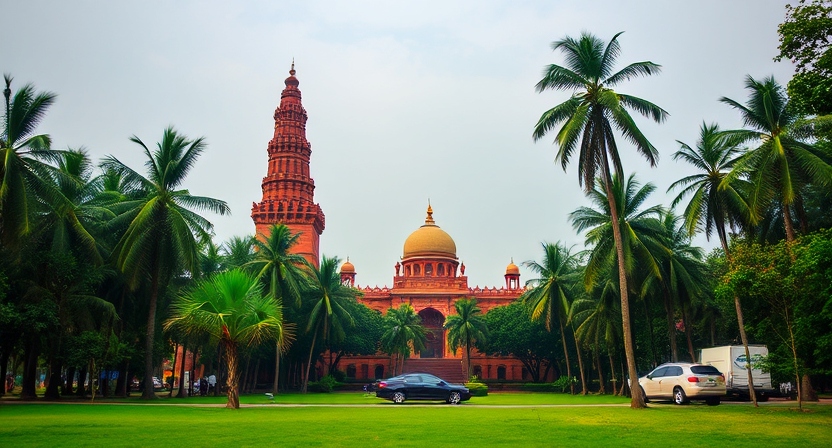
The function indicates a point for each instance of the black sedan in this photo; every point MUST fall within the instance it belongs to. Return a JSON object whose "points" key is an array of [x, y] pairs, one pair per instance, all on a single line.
{"points": [[420, 386]]}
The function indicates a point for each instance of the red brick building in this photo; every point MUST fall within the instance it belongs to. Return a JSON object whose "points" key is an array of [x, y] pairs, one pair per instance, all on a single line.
{"points": [[429, 275]]}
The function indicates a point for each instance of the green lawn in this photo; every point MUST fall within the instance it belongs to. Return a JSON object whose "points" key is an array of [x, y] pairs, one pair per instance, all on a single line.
{"points": [[382, 423]]}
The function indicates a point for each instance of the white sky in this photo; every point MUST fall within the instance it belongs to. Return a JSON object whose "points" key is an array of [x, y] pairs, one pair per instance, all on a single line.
{"points": [[406, 101]]}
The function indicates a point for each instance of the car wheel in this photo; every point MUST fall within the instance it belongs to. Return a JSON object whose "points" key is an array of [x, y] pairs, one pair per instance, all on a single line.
{"points": [[644, 395], [398, 397], [712, 401], [679, 396], [454, 398]]}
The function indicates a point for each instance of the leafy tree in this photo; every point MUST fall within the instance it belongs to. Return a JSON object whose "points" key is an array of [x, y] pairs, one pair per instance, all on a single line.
{"points": [[160, 226], [238, 251], [548, 297], [588, 118], [465, 328], [804, 39], [362, 339], [782, 165], [329, 314], [512, 333], [232, 307]]}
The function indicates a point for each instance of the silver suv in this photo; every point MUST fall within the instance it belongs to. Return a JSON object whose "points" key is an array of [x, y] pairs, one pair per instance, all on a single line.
{"points": [[682, 382]]}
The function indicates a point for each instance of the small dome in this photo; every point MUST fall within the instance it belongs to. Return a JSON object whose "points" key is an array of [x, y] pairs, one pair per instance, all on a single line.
{"points": [[429, 240], [347, 267], [512, 269], [291, 80]]}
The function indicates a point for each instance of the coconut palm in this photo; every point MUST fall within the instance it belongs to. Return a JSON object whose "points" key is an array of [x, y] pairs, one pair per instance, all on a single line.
{"points": [[588, 118], [238, 251], [276, 265], [466, 328], [548, 297], [714, 204], [160, 240], [22, 154], [282, 270], [403, 331], [233, 308], [783, 163], [597, 316], [328, 313]]}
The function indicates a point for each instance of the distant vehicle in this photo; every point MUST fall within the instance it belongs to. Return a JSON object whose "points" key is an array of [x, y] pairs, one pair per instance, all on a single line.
{"points": [[682, 382], [730, 360], [420, 386], [157, 384]]}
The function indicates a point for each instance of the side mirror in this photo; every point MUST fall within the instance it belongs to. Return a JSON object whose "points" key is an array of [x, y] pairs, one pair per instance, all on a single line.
{"points": [[442, 383], [649, 377]]}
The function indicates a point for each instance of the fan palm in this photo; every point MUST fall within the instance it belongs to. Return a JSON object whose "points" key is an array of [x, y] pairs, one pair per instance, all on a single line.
{"points": [[21, 160], [403, 330], [159, 240], [783, 163], [233, 308], [548, 296], [465, 328], [328, 315], [588, 118], [714, 204]]}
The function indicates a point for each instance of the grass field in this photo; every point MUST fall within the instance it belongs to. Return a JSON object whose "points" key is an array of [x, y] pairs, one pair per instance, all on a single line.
{"points": [[515, 419]]}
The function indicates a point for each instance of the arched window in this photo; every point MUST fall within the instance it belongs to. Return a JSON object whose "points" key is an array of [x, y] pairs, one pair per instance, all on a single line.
{"points": [[407, 271], [428, 269], [379, 373], [440, 270], [478, 371], [417, 270], [351, 371], [501, 372]]}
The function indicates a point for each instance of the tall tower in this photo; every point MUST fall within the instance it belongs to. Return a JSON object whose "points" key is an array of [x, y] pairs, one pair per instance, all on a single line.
{"points": [[288, 191]]}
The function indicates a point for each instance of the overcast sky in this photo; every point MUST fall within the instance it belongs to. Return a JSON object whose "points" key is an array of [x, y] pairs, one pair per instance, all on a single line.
{"points": [[406, 101]]}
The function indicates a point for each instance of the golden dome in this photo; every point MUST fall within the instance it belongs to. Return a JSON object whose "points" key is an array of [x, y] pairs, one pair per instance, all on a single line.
{"points": [[512, 268], [347, 267], [429, 240]]}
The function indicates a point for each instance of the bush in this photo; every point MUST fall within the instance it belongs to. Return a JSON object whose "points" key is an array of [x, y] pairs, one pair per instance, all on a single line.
{"points": [[540, 387], [477, 388], [339, 375], [326, 384]]}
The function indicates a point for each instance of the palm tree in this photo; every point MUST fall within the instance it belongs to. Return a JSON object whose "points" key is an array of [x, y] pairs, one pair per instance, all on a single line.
{"points": [[588, 118], [465, 328], [403, 329], [598, 318], [275, 265], [548, 296], [233, 308], [714, 204], [160, 237], [21, 160], [328, 315], [238, 251], [783, 164]]}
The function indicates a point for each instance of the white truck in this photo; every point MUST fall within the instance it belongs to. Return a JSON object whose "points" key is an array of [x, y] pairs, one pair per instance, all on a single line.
{"points": [[731, 361]]}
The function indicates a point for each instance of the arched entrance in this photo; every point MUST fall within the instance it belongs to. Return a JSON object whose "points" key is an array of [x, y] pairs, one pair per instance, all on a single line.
{"points": [[435, 345]]}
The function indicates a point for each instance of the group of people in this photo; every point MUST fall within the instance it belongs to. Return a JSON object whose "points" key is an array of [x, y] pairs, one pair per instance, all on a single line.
{"points": [[206, 384]]}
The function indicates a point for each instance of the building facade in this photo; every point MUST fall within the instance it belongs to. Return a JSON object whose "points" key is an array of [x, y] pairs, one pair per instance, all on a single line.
{"points": [[429, 275]]}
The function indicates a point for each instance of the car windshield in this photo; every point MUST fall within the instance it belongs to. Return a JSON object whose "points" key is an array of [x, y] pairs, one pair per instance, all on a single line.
{"points": [[705, 370]]}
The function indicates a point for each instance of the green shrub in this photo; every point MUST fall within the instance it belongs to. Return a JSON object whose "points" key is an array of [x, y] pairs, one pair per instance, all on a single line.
{"points": [[339, 375], [540, 387], [477, 388], [326, 384]]}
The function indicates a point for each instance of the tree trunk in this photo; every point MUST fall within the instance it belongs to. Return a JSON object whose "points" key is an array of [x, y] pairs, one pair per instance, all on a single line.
{"points": [[309, 364], [637, 400], [30, 371], [181, 392], [4, 370], [671, 324], [580, 366], [787, 221], [70, 375], [807, 391], [173, 371], [566, 355], [148, 393], [276, 368], [81, 391], [612, 371], [688, 332], [256, 372], [52, 390], [231, 382]]}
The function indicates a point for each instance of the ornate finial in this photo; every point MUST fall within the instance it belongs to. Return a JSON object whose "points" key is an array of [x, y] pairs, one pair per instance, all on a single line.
{"points": [[512, 259], [429, 220], [292, 70]]}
